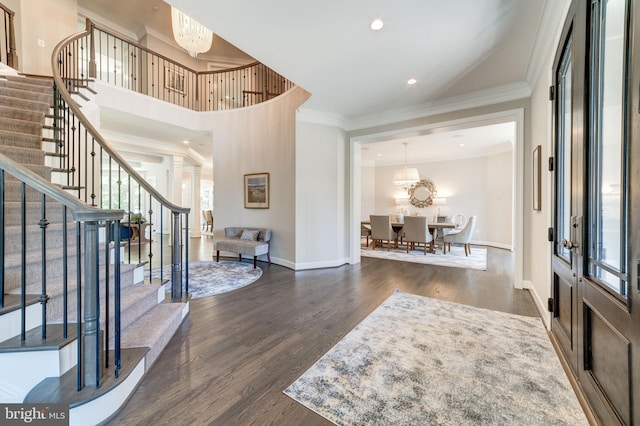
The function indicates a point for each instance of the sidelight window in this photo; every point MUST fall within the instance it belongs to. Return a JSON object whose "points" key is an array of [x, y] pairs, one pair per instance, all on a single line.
{"points": [[607, 225]]}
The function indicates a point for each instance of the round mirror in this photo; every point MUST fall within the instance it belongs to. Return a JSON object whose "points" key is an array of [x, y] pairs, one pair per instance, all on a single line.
{"points": [[422, 193]]}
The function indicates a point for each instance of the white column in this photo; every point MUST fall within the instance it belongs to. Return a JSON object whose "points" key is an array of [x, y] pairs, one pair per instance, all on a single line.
{"points": [[176, 174], [196, 214]]}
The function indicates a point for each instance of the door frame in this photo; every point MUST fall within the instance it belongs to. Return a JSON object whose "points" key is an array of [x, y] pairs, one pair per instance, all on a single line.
{"points": [[512, 115]]}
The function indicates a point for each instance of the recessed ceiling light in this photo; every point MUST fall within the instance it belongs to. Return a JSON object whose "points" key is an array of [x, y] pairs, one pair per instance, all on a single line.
{"points": [[185, 142], [462, 145], [377, 24], [379, 155], [412, 81]]}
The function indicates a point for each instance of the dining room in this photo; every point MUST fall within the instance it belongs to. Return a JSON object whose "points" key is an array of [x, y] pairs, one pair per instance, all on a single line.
{"points": [[448, 178]]}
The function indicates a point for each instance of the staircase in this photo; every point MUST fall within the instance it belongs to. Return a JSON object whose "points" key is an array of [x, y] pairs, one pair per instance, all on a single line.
{"points": [[38, 364]]}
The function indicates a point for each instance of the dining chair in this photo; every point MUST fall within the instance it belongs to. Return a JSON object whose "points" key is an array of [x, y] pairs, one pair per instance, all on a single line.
{"points": [[208, 218], [381, 230], [462, 236], [365, 231], [416, 230]]}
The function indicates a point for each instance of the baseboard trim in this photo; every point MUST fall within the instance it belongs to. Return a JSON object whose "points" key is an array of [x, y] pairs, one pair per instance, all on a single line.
{"points": [[322, 264], [540, 304]]}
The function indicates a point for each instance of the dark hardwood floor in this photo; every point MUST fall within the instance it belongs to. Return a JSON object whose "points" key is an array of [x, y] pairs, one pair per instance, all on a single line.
{"points": [[236, 352]]}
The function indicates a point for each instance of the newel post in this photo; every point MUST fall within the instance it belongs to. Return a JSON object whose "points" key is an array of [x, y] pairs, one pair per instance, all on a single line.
{"points": [[91, 338], [176, 258], [12, 55], [92, 49]]}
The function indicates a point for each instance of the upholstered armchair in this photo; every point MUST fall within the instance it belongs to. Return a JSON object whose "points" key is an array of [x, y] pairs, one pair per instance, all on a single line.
{"points": [[381, 230], [416, 230], [461, 236]]}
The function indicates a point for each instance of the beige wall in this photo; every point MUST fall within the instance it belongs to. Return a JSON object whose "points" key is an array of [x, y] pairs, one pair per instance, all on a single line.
{"points": [[471, 186], [45, 20], [255, 140]]}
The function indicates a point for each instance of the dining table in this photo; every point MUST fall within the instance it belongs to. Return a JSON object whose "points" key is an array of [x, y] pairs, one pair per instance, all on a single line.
{"points": [[434, 227]]}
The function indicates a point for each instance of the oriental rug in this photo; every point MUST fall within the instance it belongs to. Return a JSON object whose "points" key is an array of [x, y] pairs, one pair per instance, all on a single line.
{"points": [[211, 278], [421, 361]]}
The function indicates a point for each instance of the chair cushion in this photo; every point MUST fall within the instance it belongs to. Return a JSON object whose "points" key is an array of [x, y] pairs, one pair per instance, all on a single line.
{"points": [[248, 235]]}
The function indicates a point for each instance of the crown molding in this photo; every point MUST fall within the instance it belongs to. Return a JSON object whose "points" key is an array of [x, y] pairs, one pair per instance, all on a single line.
{"points": [[505, 93], [312, 116], [549, 30]]}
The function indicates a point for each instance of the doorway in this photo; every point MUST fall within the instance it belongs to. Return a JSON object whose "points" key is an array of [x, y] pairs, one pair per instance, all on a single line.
{"points": [[515, 116]]}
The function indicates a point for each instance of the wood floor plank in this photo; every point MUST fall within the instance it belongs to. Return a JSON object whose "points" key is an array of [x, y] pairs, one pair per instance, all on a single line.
{"points": [[236, 352]]}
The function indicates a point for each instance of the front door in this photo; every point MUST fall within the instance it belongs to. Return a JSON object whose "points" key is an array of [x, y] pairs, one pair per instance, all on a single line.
{"points": [[595, 288]]}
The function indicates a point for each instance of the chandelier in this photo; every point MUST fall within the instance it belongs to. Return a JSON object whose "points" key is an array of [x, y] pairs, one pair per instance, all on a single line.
{"points": [[190, 34], [405, 177]]}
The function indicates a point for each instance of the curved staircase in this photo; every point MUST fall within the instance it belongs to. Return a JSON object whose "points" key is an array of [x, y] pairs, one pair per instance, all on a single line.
{"points": [[40, 366]]}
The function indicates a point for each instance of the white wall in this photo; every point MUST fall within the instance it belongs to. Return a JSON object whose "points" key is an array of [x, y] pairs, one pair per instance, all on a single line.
{"points": [[368, 192], [480, 186], [320, 196]]}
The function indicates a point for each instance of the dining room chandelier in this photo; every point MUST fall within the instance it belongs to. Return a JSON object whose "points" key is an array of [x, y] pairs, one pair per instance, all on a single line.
{"points": [[189, 33], [406, 176]]}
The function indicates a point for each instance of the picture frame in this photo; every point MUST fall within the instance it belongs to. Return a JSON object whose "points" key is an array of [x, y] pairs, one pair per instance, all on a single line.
{"points": [[537, 178], [174, 80], [256, 191]]}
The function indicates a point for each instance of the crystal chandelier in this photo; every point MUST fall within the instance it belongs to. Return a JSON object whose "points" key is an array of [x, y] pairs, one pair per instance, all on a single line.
{"points": [[405, 177], [190, 34]]}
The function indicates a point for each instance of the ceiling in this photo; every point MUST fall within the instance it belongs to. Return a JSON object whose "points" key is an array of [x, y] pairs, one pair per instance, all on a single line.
{"points": [[452, 48]]}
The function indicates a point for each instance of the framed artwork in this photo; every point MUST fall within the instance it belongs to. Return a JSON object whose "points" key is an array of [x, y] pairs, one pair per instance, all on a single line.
{"points": [[174, 80], [256, 191], [537, 182]]}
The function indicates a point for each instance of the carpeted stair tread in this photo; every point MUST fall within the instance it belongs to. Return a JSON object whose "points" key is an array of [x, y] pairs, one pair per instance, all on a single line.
{"points": [[27, 85], [23, 155], [21, 126], [17, 139], [45, 98], [26, 104], [12, 112], [154, 329], [30, 80], [33, 214], [40, 170]]}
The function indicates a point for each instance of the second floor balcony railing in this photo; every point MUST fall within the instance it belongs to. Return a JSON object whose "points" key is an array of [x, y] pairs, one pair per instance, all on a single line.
{"points": [[107, 57]]}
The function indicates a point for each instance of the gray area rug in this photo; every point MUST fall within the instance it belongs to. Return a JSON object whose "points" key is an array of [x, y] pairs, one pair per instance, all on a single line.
{"points": [[211, 278], [421, 361], [455, 258]]}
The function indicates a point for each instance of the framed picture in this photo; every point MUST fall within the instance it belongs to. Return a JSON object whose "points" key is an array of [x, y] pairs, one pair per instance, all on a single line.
{"points": [[537, 179], [174, 80], [256, 191]]}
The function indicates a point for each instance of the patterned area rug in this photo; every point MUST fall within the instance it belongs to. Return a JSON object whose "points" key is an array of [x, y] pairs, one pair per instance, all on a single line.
{"points": [[417, 361], [455, 258], [211, 278]]}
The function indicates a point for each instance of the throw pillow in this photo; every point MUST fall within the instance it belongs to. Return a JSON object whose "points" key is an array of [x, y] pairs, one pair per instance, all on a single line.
{"points": [[249, 235]]}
